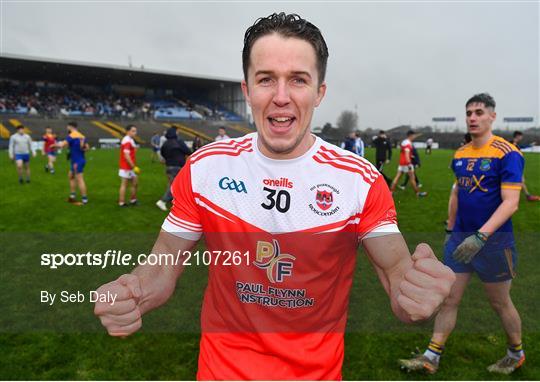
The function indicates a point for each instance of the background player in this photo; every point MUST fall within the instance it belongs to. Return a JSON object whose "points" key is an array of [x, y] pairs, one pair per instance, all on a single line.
{"points": [[174, 152], [259, 184], [128, 169], [49, 149], [516, 141], [415, 159], [488, 181], [383, 153], [406, 166], [429, 145], [154, 141], [20, 147], [77, 147], [359, 143]]}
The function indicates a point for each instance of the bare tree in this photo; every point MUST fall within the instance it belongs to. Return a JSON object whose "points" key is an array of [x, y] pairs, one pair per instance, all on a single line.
{"points": [[347, 122]]}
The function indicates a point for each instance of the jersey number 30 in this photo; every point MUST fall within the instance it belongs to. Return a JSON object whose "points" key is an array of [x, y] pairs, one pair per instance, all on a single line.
{"points": [[281, 200]]}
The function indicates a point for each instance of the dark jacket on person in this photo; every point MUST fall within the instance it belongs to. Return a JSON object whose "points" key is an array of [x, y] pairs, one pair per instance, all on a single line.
{"points": [[350, 145], [174, 150], [382, 147], [415, 158]]}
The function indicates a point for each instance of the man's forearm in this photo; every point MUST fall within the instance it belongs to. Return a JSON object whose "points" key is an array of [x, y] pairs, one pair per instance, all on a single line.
{"points": [[504, 212], [157, 284], [159, 281], [395, 277], [391, 273], [452, 208]]}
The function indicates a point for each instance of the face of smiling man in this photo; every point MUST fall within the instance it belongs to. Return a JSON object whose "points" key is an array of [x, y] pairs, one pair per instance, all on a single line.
{"points": [[283, 89]]}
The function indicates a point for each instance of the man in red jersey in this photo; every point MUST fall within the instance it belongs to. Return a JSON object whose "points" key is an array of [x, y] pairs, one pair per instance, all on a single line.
{"points": [[128, 168], [49, 149], [406, 165], [295, 208]]}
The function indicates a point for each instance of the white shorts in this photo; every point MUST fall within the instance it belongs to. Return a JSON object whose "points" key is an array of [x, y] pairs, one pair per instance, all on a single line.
{"points": [[406, 168], [127, 174]]}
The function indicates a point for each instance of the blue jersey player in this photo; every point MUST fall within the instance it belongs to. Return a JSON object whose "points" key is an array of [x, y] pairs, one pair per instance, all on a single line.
{"points": [[480, 240], [77, 146]]}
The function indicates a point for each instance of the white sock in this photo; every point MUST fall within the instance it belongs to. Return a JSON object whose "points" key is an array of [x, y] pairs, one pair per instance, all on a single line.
{"points": [[432, 356], [514, 354]]}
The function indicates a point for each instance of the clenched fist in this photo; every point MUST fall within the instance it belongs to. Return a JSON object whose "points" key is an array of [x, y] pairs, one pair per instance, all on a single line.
{"points": [[123, 317], [426, 285]]}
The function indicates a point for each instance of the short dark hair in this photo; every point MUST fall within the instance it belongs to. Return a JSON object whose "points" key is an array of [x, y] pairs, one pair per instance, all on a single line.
{"points": [[73, 124], [517, 132], [129, 127], [410, 132], [20, 127], [286, 25], [484, 98], [381, 131]]}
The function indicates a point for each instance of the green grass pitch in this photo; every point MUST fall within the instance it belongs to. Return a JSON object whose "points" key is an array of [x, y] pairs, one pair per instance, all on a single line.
{"points": [[67, 342]]}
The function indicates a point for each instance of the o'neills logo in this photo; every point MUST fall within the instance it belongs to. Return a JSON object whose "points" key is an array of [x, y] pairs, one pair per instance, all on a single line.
{"points": [[281, 182], [324, 199]]}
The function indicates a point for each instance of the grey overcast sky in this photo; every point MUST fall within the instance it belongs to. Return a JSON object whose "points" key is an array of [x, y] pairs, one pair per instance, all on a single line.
{"points": [[397, 62]]}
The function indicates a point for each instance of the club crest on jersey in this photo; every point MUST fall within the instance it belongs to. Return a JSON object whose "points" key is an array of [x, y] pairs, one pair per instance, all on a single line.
{"points": [[227, 183], [325, 197], [277, 264], [485, 164]]}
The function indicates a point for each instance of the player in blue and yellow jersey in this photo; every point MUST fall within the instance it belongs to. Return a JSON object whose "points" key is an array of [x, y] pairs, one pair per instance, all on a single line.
{"points": [[77, 147], [49, 149], [480, 240], [516, 141]]}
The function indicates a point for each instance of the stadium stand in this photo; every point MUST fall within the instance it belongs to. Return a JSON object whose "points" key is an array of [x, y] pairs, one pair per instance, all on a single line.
{"points": [[103, 100], [95, 130]]}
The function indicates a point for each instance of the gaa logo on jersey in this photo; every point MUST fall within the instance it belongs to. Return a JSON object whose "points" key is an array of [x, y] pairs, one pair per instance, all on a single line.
{"points": [[277, 264], [227, 183]]}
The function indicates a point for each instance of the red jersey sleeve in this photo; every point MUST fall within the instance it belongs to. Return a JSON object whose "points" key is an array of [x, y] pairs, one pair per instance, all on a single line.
{"points": [[378, 216], [184, 218]]}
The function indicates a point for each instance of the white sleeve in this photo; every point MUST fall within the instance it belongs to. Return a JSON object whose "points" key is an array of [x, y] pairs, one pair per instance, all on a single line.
{"points": [[11, 144]]}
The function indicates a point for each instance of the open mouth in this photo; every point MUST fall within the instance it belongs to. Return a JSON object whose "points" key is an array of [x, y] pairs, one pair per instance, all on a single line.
{"points": [[281, 122]]}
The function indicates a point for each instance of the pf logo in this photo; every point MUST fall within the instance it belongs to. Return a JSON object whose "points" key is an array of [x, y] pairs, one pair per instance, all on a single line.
{"points": [[277, 265], [324, 199], [226, 183]]}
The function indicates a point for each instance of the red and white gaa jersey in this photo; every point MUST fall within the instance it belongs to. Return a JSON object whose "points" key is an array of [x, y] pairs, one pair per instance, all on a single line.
{"points": [[287, 233], [129, 147], [405, 149]]}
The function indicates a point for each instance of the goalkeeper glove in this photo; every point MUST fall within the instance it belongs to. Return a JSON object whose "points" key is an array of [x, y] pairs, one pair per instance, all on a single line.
{"points": [[465, 252]]}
